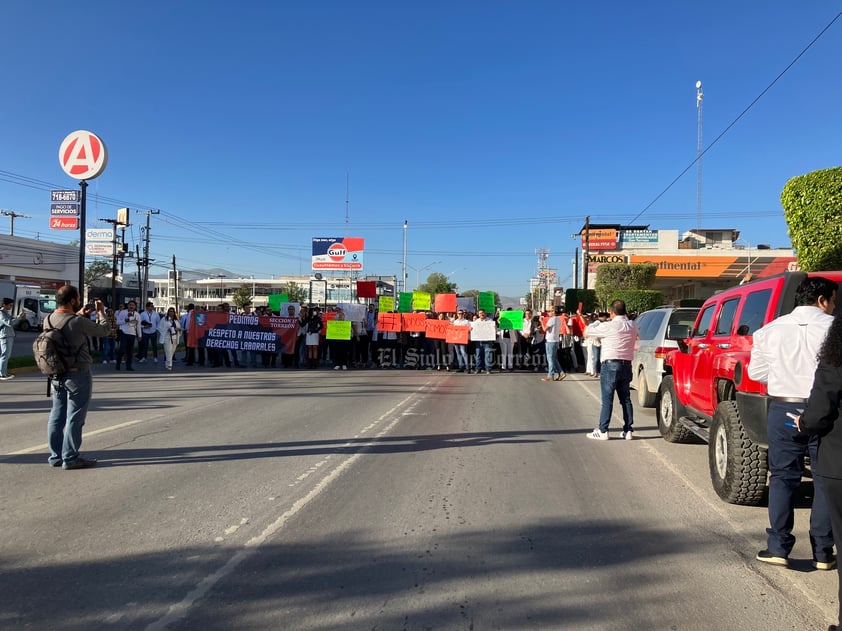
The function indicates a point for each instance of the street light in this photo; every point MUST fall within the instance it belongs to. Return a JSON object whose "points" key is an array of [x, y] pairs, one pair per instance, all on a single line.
{"points": [[419, 270]]}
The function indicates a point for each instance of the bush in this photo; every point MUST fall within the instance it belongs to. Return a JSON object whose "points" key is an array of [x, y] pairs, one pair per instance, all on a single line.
{"points": [[639, 300], [572, 298], [812, 208]]}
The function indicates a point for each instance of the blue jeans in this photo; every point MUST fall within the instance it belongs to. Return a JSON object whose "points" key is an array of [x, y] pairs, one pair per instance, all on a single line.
{"points": [[70, 407], [484, 356], [553, 367], [6, 344], [787, 448], [461, 356], [108, 345], [615, 377]]}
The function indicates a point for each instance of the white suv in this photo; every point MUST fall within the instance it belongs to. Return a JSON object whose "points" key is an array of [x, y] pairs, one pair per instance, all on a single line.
{"points": [[651, 347]]}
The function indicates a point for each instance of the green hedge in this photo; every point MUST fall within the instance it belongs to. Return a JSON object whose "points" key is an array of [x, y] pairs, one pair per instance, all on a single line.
{"points": [[813, 212], [639, 300], [572, 298]]}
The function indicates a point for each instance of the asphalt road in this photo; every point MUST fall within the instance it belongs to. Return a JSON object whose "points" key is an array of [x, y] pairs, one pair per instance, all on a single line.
{"points": [[320, 500]]}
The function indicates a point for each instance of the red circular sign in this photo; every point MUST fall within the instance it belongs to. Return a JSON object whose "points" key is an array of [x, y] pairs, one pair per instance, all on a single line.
{"points": [[82, 155], [337, 252]]}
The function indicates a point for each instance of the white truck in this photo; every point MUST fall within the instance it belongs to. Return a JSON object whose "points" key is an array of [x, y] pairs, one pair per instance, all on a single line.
{"points": [[27, 298]]}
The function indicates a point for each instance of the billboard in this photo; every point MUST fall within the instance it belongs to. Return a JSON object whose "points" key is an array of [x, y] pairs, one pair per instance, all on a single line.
{"points": [[337, 253]]}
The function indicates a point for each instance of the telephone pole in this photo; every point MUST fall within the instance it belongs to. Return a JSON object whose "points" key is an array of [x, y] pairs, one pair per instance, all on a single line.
{"points": [[587, 252], [12, 215], [146, 260]]}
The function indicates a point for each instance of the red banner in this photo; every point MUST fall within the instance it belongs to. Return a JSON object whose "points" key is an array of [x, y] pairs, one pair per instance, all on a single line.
{"points": [[366, 289]]}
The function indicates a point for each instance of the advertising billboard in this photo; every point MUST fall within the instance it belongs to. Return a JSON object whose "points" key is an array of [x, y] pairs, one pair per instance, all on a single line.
{"points": [[337, 253]]}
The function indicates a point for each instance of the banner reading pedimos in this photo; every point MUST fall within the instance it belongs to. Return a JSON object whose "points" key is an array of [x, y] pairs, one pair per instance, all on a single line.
{"points": [[264, 334]]}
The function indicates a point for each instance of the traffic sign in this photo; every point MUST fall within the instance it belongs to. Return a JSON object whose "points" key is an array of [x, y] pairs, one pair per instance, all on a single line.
{"points": [[64, 223], [99, 234], [65, 196], [82, 155], [99, 248], [66, 210]]}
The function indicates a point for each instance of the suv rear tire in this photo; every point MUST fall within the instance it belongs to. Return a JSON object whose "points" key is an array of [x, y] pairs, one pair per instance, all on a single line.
{"points": [[668, 410], [737, 465], [644, 397]]}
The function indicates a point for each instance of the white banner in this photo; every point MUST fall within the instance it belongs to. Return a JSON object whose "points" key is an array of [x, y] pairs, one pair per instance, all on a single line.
{"points": [[483, 331]]}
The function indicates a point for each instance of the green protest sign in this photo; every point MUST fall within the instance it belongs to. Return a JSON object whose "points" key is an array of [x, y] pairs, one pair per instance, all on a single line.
{"points": [[486, 301], [386, 304], [421, 301], [276, 300], [511, 320], [405, 302]]}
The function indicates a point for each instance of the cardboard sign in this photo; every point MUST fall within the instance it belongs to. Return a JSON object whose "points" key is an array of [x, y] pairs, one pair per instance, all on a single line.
{"points": [[339, 330], [445, 303], [366, 289], [483, 330], [467, 303], [386, 303], [510, 320], [486, 302], [405, 302], [437, 329], [390, 322], [275, 301], [414, 322], [458, 334]]}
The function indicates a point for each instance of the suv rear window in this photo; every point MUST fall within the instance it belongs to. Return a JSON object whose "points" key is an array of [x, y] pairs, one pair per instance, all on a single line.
{"points": [[686, 317], [649, 323]]}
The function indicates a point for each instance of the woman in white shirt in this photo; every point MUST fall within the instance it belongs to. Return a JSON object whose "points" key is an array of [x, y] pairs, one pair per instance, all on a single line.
{"points": [[169, 332]]}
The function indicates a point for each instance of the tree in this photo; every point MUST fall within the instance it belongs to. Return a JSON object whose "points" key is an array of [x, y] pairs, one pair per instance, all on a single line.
{"points": [[242, 296], [296, 293], [812, 205], [611, 277], [95, 271], [437, 283]]}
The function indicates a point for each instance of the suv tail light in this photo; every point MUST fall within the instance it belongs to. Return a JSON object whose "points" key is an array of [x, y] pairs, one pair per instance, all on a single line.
{"points": [[661, 352]]}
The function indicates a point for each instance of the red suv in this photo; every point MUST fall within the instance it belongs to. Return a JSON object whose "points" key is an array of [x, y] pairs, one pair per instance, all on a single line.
{"points": [[706, 391]]}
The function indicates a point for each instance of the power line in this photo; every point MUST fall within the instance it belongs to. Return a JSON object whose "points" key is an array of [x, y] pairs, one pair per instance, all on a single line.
{"points": [[736, 120]]}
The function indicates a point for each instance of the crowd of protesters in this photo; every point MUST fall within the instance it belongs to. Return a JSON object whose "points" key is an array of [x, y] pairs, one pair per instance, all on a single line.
{"points": [[135, 336]]}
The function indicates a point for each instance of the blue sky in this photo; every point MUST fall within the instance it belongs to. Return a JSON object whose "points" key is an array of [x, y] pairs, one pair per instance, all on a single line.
{"points": [[493, 128]]}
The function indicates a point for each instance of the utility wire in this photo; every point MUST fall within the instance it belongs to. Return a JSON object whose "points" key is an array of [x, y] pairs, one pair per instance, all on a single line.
{"points": [[736, 120]]}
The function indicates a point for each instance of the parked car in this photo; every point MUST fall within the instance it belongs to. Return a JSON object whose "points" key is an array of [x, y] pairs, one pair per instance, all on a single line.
{"points": [[652, 347]]}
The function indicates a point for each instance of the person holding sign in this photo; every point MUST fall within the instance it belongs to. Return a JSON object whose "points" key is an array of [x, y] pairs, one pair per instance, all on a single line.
{"points": [[340, 332], [461, 349], [483, 332]]}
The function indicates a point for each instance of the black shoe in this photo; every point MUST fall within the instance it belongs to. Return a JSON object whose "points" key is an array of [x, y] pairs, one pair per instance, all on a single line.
{"points": [[768, 557], [80, 463], [829, 564], [130, 368], [832, 627]]}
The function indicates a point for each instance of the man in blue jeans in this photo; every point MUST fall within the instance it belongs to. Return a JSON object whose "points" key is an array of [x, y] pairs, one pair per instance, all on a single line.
{"points": [[784, 356], [485, 347], [71, 392], [617, 336]]}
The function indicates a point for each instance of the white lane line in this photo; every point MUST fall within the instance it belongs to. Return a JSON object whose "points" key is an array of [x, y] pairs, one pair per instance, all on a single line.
{"points": [[180, 610], [95, 432]]}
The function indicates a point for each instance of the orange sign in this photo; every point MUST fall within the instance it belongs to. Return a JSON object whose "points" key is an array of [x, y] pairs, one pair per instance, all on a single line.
{"points": [[600, 239], [414, 322], [458, 334], [688, 266], [389, 322], [437, 329]]}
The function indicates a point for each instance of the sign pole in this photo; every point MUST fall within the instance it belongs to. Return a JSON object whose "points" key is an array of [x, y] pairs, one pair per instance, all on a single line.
{"points": [[84, 186]]}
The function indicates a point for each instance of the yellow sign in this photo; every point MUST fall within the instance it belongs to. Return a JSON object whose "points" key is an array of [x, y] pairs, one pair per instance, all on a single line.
{"points": [[338, 330]]}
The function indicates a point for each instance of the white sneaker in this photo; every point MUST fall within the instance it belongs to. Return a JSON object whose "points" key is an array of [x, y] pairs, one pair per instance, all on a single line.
{"points": [[628, 435], [142, 360], [155, 359], [113, 361], [344, 368], [6, 377], [336, 367], [104, 361], [598, 435]]}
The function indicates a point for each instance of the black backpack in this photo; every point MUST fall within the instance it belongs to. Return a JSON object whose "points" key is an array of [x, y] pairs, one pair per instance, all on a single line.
{"points": [[53, 353]]}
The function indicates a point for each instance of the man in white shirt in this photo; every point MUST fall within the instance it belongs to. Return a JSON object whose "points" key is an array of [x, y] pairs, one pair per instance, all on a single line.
{"points": [[784, 356], [552, 330], [128, 323], [484, 354], [149, 322], [461, 350], [617, 336]]}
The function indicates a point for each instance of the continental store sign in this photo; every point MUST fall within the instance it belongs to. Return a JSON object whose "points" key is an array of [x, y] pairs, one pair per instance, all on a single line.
{"points": [[717, 266]]}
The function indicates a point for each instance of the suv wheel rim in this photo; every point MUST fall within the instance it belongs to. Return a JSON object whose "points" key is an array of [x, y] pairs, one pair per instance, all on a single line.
{"points": [[666, 409], [720, 447]]}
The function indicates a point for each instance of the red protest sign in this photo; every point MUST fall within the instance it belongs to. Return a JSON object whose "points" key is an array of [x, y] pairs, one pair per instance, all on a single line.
{"points": [[327, 316], [389, 322], [366, 289], [437, 329], [414, 322], [458, 334], [445, 303]]}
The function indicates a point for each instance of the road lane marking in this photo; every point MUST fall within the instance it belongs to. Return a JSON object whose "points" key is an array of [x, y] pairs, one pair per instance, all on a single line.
{"points": [[179, 610], [95, 432]]}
